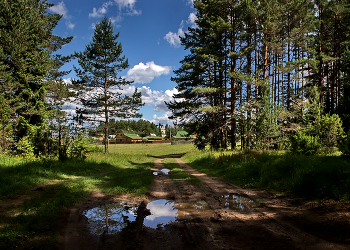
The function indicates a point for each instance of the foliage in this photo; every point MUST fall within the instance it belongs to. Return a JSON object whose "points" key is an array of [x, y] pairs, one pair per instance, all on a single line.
{"points": [[80, 147], [250, 62], [25, 148], [5, 125], [141, 127], [301, 143], [331, 131], [29, 66], [268, 122], [344, 145]]}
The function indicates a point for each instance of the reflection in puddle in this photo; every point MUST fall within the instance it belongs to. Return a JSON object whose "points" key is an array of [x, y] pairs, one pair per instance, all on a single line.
{"points": [[112, 218], [238, 202], [166, 211], [155, 173], [165, 171]]}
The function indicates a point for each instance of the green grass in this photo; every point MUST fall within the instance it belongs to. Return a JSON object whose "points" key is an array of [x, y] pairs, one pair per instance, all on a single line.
{"points": [[127, 169], [178, 174], [312, 177], [34, 224]]}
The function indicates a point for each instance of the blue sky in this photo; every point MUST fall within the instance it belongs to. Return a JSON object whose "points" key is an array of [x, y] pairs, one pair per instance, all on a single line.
{"points": [[149, 33]]}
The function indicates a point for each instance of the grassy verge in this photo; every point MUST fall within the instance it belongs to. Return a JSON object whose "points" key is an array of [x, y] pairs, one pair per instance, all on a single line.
{"points": [[178, 174], [312, 177], [34, 194]]}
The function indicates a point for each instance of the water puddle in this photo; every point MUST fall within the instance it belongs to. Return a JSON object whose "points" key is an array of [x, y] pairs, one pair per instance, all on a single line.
{"points": [[110, 218], [166, 211], [113, 218], [165, 171], [239, 202]]}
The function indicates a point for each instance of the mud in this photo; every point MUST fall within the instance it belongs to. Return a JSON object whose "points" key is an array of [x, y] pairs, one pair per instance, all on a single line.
{"points": [[214, 215]]}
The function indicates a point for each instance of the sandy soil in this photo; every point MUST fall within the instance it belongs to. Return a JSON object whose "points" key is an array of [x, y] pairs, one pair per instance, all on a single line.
{"points": [[274, 222]]}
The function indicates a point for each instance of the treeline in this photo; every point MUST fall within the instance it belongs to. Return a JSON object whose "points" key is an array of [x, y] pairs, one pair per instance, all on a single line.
{"points": [[141, 127], [266, 74]]}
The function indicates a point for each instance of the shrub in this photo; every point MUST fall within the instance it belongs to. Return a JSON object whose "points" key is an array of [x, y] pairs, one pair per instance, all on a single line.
{"points": [[24, 148], [305, 144], [344, 145], [81, 147]]}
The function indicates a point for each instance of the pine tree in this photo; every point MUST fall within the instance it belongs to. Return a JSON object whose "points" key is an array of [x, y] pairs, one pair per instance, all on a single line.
{"points": [[100, 63]]}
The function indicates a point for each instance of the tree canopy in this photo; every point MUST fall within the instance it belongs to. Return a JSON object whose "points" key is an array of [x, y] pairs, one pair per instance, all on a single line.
{"points": [[29, 66]]}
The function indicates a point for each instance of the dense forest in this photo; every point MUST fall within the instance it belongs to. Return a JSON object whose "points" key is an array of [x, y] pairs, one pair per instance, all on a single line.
{"points": [[266, 74], [269, 74]]}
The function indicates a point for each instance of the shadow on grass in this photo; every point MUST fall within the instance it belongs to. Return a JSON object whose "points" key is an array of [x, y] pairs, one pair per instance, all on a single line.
{"points": [[53, 186]]}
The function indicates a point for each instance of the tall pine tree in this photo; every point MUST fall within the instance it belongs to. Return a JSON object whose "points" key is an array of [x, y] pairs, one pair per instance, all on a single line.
{"points": [[100, 63]]}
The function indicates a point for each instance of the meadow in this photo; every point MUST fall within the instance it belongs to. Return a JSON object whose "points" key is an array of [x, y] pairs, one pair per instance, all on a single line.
{"points": [[34, 195]]}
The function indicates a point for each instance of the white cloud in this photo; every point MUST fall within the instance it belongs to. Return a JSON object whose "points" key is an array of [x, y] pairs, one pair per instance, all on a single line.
{"points": [[155, 99], [151, 97], [70, 25], [67, 81], [61, 9], [115, 19], [145, 73], [96, 13], [190, 2], [129, 5], [163, 119], [192, 19], [174, 38]]}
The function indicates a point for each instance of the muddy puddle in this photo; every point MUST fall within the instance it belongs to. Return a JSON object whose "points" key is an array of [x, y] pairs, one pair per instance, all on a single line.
{"points": [[238, 202], [167, 211], [110, 218], [113, 218], [164, 171]]}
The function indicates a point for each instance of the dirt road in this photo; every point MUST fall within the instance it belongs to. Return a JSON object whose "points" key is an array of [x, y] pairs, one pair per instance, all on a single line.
{"points": [[213, 215]]}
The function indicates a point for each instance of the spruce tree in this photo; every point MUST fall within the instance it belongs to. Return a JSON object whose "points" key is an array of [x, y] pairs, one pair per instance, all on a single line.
{"points": [[99, 84]]}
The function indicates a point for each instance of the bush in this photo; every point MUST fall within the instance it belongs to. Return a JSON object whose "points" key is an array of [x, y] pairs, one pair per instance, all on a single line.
{"points": [[344, 145], [305, 144], [81, 147], [330, 131], [24, 148]]}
